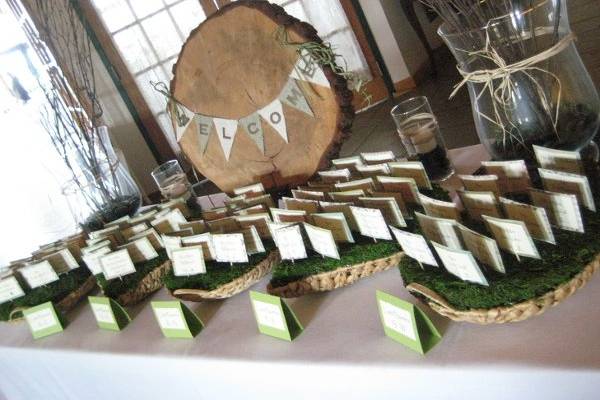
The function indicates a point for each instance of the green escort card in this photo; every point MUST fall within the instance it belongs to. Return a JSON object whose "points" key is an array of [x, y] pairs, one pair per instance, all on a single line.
{"points": [[44, 320], [109, 314], [406, 323], [176, 320], [274, 317]]}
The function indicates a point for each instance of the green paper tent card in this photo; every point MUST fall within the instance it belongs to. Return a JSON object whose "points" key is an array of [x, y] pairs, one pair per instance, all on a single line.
{"points": [[176, 320], [108, 313], [406, 323], [44, 320], [274, 317]]}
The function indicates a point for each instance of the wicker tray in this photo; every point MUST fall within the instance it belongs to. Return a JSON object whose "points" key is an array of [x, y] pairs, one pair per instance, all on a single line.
{"points": [[148, 285], [517, 312], [234, 287], [338, 278]]}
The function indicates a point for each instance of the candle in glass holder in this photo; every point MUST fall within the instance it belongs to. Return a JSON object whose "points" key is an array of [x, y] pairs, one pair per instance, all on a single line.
{"points": [[171, 180]]}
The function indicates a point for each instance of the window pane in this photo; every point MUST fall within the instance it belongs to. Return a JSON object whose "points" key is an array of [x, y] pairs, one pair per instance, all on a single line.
{"points": [[188, 15], [135, 49], [162, 35], [156, 101], [145, 7], [115, 13]]}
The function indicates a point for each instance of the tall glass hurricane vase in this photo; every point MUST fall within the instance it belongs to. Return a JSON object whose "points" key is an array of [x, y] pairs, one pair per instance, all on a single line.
{"points": [[105, 192], [527, 83]]}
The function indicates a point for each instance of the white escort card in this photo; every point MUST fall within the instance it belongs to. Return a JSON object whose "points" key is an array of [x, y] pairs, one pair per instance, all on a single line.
{"points": [[171, 243], [145, 217], [344, 208], [203, 240], [564, 182], [223, 225], [399, 201], [289, 241], [460, 263], [116, 264], [188, 261], [259, 221], [478, 204], [481, 183], [484, 249], [252, 240], [62, 261], [407, 186], [92, 259], [336, 223], [152, 236], [512, 236], [230, 248], [308, 194], [535, 218], [335, 176], [347, 162], [38, 274], [140, 250], [322, 241], [411, 169], [257, 188], [310, 206], [439, 230], [364, 184], [561, 160], [415, 246], [371, 223], [439, 209], [512, 175], [281, 215], [134, 230], [378, 157], [388, 207], [349, 196], [371, 171], [562, 209], [197, 227], [10, 289]]}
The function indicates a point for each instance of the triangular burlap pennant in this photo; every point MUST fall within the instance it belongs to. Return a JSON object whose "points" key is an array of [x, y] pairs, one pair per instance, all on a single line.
{"points": [[226, 130], [182, 118], [306, 69], [204, 128], [273, 114], [253, 127], [292, 96]]}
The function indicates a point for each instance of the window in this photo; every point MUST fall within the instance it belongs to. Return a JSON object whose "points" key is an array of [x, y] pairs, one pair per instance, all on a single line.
{"points": [[149, 35]]}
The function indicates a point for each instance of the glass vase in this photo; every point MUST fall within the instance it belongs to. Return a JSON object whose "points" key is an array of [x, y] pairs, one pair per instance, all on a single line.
{"points": [[104, 191], [526, 81]]}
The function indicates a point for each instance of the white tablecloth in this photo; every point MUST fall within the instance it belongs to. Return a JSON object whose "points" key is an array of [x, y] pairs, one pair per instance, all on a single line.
{"points": [[343, 353]]}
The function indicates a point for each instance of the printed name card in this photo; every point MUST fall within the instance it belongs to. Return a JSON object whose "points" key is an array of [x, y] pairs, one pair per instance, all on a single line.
{"points": [[512, 236], [188, 261], [371, 223], [152, 236], [175, 320], [439, 230], [108, 313], [92, 259], [406, 186], [406, 323], [144, 217], [344, 208], [322, 241], [281, 215], [215, 213], [43, 320], [478, 204], [364, 184], [134, 230], [10, 289], [140, 250], [411, 169], [415, 246], [257, 209], [562, 208], [308, 195], [439, 209], [223, 225], [203, 240], [481, 183], [256, 188], [535, 218], [561, 160], [230, 248], [336, 223], [388, 207], [116, 264], [265, 200], [484, 249], [460, 263], [564, 182], [399, 201], [309, 206], [348, 196], [62, 261], [38, 274], [335, 176], [259, 221], [274, 317], [197, 227], [171, 243], [252, 240], [378, 157], [371, 171], [289, 241], [512, 175], [347, 162]]}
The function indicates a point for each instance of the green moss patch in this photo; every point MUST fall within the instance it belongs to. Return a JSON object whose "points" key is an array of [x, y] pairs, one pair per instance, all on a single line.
{"points": [[55, 292], [116, 287], [217, 274], [351, 253], [524, 280]]}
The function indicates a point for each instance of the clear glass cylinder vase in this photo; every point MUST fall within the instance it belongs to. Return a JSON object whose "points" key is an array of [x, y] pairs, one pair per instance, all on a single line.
{"points": [[104, 191], [526, 81]]}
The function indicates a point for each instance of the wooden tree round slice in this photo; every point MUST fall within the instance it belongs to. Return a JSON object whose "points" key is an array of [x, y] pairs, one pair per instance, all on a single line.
{"points": [[233, 65]]}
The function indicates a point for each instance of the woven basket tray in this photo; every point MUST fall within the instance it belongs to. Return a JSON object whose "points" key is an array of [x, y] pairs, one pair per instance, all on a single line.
{"points": [[234, 287], [338, 278], [148, 285], [69, 301], [514, 313]]}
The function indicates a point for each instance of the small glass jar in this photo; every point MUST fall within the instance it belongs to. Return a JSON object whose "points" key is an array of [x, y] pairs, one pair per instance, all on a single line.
{"points": [[420, 134], [172, 181]]}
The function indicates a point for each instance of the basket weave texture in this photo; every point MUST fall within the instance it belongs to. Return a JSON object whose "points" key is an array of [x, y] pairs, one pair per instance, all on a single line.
{"points": [[517, 312], [148, 285], [338, 278], [234, 287]]}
